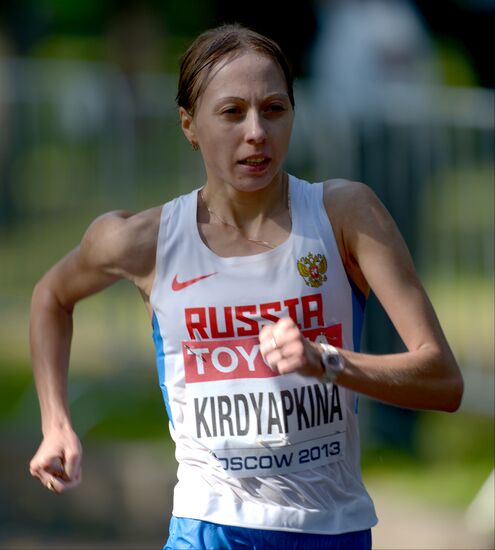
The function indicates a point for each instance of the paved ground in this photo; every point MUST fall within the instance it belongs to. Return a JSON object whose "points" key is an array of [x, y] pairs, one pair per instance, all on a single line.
{"points": [[407, 525]]}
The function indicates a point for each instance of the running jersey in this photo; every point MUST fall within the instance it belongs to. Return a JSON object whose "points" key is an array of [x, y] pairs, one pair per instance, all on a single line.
{"points": [[255, 448]]}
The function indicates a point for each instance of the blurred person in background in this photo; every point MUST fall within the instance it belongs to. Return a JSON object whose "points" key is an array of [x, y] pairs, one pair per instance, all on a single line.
{"points": [[374, 66], [256, 284], [364, 46]]}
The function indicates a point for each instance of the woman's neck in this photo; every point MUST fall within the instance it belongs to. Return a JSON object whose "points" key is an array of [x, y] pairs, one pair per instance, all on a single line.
{"points": [[245, 207], [262, 218]]}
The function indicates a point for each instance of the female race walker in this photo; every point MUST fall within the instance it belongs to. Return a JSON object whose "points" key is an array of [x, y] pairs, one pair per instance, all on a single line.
{"points": [[256, 285]]}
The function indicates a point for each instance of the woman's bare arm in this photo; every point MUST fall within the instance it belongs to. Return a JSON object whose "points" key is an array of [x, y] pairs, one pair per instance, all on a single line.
{"points": [[427, 375], [375, 255], [117, 245]]}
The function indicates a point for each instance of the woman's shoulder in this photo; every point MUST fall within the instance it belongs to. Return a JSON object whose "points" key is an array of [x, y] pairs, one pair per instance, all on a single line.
{"points": [[354, 210], [342, 189], [349, 200], [122, 227], [123, 242]]}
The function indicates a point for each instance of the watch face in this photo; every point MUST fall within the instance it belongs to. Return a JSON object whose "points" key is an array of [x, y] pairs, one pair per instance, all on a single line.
{"points": [[331, 359], [332, 363]]}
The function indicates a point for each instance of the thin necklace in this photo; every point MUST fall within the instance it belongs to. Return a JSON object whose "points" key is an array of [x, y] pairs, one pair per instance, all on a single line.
{"points": [[238, 229]]}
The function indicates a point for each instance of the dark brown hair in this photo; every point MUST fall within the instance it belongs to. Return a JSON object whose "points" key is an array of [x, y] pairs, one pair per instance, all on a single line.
{"points": [[215, 44]]}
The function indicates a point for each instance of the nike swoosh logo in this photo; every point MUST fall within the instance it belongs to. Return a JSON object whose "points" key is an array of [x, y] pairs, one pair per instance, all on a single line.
{"points": [[177, 285]]}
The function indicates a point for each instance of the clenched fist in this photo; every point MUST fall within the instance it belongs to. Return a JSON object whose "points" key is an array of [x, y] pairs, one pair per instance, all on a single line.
{"points": [[57, 462], [285, 349]]}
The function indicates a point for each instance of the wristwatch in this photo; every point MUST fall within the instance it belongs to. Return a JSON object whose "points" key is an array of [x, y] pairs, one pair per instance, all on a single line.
{"points": [[332, 363]]}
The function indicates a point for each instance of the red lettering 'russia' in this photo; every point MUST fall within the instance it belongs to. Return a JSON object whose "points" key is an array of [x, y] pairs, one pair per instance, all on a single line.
{"points": [[241, 314], [204, 323]]}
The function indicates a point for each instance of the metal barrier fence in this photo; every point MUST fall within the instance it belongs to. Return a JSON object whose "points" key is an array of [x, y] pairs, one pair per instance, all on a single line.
{"points": [[77, 139]]}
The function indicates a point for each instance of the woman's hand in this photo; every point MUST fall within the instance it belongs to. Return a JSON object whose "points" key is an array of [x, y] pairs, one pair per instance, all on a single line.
{"points": [[57, 462], [286, 350]]}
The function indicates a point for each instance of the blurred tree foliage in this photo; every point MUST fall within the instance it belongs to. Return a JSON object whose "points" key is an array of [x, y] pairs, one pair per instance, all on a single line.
{"points": [[82, 28], [463, 30]]}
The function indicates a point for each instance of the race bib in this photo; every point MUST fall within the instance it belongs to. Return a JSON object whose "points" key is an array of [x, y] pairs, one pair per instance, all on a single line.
{"points": [[256, 422]]}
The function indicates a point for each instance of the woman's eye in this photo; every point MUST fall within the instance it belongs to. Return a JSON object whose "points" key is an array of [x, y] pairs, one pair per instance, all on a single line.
{"points": [[231, 111], [275, 108]]}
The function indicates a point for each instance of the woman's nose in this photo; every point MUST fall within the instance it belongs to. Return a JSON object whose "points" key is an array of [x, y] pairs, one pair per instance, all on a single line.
{"points": [[256, 132]]}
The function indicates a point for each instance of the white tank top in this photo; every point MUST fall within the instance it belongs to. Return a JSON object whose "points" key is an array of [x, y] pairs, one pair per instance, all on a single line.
{"points": [[257, 449]]}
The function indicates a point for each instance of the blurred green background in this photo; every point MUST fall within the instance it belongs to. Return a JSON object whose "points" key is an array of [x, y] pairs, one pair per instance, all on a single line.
{"points": [[399, 95]]}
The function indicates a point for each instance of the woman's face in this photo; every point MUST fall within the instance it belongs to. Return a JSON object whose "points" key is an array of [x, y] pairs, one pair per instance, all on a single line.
{"points": [[242, 122]]}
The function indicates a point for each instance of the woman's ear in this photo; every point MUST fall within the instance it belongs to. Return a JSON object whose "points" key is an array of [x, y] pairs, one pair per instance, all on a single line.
{"points": [[187, 124]]}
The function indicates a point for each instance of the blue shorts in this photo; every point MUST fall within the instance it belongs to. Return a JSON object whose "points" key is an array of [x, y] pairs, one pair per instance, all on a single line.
{"points": [[193, 534]]}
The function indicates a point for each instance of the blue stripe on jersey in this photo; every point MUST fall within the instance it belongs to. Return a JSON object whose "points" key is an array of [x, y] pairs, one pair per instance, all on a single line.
{"points": [[186, 533], [358, 306], [160, 364]]}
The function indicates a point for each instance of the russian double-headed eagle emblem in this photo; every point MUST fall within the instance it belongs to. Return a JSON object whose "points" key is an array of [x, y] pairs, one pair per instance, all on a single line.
{"points": [[312, 269]]}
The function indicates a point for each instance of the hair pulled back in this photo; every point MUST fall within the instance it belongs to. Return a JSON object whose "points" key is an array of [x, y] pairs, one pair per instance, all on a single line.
{"points": [[219, 43]]}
